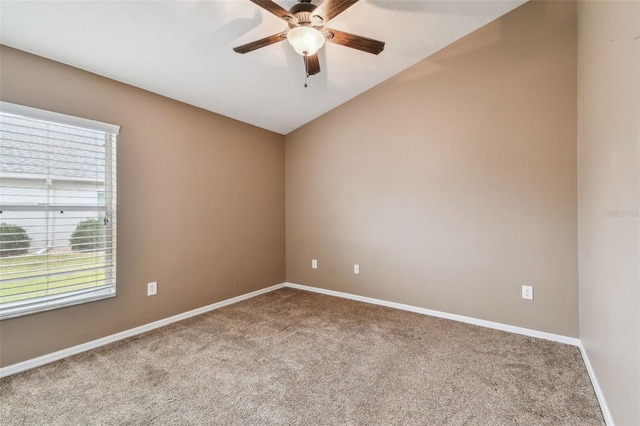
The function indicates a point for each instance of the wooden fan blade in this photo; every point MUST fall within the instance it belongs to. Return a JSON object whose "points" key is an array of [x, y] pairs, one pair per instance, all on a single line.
{"points": [[261, 43], [272, 7], [312, 64], [353, 41], [332, 8]]}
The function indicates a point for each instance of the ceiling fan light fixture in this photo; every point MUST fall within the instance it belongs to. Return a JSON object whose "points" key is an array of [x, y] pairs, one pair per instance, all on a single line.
{"points": [[305, 40]]}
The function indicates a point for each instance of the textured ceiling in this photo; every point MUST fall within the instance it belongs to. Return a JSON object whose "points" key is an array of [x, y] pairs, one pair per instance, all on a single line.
{"points": [[183, 49]]}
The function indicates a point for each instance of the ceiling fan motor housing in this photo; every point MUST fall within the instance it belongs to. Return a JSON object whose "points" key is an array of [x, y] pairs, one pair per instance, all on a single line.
{"points": [[303, 15]]}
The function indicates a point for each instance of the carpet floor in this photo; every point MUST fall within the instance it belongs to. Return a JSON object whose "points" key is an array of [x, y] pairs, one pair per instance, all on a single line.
{"points": [[291, 357]]}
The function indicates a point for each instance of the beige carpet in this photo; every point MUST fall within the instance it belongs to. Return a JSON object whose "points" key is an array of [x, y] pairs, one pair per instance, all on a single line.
{"points": [[293, 357]]}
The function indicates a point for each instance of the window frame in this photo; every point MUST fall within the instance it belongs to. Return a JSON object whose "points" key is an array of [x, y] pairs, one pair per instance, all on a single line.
{"points": [[37, 304]]}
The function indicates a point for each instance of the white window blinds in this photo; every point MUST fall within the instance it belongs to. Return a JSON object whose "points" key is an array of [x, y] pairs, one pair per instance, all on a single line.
{"points": [[57, 210]]}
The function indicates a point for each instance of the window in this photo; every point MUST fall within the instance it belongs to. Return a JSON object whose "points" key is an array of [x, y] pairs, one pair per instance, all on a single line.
{"points": [[57, 210]]}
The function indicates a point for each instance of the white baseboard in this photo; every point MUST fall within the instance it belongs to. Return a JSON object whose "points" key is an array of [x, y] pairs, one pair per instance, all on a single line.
{"points": [[55, 356], [469, 320], [596, 387]]}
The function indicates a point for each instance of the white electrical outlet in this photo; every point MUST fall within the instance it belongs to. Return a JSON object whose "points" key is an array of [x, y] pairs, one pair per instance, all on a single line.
{"points": [[356, 269], [152, 288], [527, 292], [314, 263]]}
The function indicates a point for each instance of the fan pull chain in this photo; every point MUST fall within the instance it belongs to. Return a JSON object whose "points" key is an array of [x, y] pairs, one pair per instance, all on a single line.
{"points": [[306, 68]]}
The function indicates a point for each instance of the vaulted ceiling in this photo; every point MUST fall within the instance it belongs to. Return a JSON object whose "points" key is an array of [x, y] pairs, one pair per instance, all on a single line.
{"points": [[183, 49]]}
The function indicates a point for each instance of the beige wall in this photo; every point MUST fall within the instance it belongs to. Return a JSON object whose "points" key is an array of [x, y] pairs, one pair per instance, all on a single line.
{"points": [[200, 205], [453, 183], [608, 194]]}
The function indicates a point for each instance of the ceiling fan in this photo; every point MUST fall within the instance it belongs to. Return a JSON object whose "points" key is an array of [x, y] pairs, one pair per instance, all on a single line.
{"points": [[307, 32]]}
